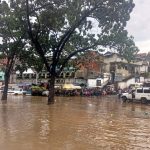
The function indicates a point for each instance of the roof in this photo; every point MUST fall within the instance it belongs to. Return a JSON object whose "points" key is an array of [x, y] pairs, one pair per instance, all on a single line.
{"points": [[28, 71], [125, 63], [141, 55], [107, 54]]}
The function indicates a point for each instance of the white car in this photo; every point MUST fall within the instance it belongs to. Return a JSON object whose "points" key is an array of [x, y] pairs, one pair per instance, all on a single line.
{"points": [[15, 91], [142, 94], [19, 92], [45, 93]]}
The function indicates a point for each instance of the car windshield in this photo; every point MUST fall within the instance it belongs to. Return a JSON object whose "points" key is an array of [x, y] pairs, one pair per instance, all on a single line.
{"points": [[18, 89]]}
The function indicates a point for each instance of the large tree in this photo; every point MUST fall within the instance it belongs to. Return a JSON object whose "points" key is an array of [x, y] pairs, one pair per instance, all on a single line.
{"points": [[29, 59], [123, 45], [12, 34], [59, 29]]}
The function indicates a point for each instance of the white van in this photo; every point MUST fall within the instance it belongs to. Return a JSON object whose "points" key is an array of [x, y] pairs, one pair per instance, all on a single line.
{"points": [[142, 94]]}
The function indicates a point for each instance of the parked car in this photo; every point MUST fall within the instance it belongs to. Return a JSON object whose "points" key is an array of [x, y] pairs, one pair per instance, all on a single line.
{"points": [[10, 90], [19, 92], [15, 91], [142, 94], [45, 93]]}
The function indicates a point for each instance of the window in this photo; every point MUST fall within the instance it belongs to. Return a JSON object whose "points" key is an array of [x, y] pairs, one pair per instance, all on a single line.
{"points": [[146, 90], [58, 81], [67, 74], [139, 90], [61, 75], [98, 83], [33, 76], [126, 67]]}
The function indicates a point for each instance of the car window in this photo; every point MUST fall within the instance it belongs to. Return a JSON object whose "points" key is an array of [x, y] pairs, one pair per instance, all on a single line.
{"points": [[139, 90], [146, 90]]}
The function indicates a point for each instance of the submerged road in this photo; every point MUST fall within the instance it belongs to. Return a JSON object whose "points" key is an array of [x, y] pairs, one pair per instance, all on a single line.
{"points": [[74, 123]]}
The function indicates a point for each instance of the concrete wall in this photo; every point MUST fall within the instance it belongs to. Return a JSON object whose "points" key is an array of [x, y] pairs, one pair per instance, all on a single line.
{"points": [[115, 58], [94, 82], [123, 72], [141, 68], [129, 82]]}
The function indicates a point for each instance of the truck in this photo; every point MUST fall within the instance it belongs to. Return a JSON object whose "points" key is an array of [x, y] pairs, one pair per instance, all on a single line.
{"points": [[142, 94]]}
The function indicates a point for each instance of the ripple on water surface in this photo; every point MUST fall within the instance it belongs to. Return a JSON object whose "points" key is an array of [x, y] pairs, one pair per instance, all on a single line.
{"points": [[27, 123]]}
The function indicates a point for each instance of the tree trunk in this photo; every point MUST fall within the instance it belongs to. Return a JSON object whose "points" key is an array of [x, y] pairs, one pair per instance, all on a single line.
{"points": [[6, 82], [51, 90], [37, 77]]}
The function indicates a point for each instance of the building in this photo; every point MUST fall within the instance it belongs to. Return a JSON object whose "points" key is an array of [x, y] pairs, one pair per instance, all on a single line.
{"points": [[118, 67], [91, 65]]}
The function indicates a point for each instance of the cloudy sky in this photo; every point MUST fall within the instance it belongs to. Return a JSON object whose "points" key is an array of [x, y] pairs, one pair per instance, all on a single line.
{"points": [[139, 24]]}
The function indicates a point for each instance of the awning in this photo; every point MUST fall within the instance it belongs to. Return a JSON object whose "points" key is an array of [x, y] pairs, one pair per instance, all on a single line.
{"points": [[29, 71], [17, 72], [70, 87]]}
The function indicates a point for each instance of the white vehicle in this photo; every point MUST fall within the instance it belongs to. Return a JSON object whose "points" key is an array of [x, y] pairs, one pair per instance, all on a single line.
{"points": [[142, 94], [45, 93], [19, 92]]}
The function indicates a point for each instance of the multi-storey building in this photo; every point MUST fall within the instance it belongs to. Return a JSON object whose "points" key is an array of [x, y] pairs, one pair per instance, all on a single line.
{"points": [[89, 65]]}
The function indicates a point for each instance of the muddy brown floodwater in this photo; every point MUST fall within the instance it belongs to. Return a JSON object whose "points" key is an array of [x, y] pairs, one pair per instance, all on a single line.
{"points": [[73, 123]]}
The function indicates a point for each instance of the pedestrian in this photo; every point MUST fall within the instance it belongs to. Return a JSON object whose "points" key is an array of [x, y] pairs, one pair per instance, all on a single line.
{"points": [[119, 93]]}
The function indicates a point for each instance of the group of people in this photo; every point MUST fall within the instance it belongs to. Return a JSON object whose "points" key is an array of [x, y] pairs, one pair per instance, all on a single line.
{"points": [[129, 90], [85, 92]]}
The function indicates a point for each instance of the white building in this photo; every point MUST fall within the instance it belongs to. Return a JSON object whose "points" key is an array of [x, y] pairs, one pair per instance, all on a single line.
{"points": [[131, 81], [142, 67]]}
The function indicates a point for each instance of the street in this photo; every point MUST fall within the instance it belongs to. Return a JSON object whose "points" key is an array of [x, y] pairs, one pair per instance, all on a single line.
{"points": [[74, 123]]}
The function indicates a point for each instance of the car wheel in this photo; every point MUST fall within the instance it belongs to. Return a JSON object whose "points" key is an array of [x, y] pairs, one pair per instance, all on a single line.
{"points": [[143, 100], [124, 99], [130, 100]]}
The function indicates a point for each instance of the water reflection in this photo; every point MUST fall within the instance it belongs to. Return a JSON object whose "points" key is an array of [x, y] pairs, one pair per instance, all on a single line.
{"points": [[84, 123]]}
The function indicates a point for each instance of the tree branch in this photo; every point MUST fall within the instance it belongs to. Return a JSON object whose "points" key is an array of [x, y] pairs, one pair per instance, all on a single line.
{"points": [[39, 26], [38, 8], [10, 32], [67, 35], [34, 40], [73, 54]]}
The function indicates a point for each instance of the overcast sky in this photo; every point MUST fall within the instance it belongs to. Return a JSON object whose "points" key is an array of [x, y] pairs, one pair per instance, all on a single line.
{"points": [[139, 24]]}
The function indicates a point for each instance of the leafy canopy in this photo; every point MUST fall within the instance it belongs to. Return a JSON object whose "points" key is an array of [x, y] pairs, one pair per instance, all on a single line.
{"points": [[59, 29]]}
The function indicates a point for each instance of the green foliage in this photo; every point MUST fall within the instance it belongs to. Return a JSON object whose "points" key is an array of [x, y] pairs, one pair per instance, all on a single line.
{"points": [[59, 29], [38, 88], [12, 33], [124, 45]]}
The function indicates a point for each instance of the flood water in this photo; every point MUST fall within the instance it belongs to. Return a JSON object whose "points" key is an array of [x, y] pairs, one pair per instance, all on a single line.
{"points": [[73, 123]]}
